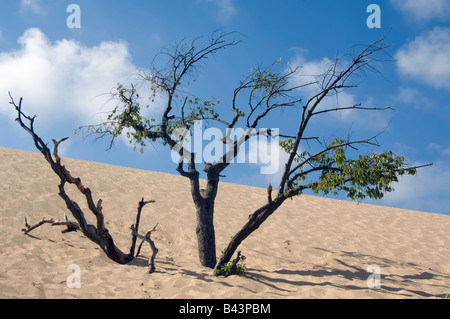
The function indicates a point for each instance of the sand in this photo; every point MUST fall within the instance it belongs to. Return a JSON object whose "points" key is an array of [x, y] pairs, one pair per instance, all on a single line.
{"points": [[311, 247]]}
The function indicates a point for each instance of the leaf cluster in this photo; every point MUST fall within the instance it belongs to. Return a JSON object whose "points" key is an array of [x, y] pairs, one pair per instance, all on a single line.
{"points": [[225, 269], [199, 109], [370, 175]]}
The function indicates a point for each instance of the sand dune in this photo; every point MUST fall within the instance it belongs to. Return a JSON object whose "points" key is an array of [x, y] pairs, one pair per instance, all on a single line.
{"points": [[311, 248]]}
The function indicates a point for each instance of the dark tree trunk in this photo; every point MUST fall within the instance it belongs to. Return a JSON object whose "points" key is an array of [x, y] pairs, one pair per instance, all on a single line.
{"points": [[205, 233], [254, 221], [204, 205]]}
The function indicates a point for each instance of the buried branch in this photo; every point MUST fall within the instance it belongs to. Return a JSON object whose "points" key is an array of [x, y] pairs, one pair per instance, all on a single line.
{"points": [[73, 226], [98, 233]]}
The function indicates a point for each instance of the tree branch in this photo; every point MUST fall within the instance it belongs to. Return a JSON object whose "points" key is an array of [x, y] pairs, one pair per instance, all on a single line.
{"points": [[141, 205], [147, 238], [334, 81], [99, 233], [354, 107], [330, 148], [71, 226]]}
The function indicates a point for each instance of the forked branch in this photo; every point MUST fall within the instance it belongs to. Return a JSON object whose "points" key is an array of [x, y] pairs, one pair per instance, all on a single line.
{"points": [[147, 238], [99, 233]]}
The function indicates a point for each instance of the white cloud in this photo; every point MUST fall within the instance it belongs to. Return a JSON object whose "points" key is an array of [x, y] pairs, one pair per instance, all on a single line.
{"points": [[426, 191], [33, 5], [64, 78], [427, 58], [424, 10], [413, 98], [443, 151], [269, 157], [225, 9], [312, 71]]}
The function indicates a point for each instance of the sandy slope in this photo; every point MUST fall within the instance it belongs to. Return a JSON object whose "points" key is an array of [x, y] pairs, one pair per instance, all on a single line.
{"points": [[311, 248]]}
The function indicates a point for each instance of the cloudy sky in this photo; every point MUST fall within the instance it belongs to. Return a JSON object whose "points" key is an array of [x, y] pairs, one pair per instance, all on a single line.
{"points": [[65, 74]]}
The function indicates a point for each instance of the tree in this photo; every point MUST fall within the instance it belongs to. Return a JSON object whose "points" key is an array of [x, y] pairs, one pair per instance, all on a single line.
{"points": [[99, 234], [168, 81], [257, 96]]}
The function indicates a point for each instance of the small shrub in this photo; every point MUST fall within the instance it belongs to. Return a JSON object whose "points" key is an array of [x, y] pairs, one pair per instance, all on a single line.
{"points": [[228, 269]]}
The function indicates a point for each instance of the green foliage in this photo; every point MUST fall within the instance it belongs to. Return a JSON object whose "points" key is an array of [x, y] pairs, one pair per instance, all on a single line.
{"points": [[225, 269], [201, 110], [266, 84], [170, 259], [287, 145], [127, 117], [369, 175]]}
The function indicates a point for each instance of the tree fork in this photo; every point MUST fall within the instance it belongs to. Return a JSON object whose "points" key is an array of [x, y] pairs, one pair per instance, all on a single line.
{"points": [[147, 238]]}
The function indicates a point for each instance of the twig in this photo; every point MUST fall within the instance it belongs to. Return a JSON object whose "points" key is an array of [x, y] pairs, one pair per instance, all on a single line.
{"points": [[71, 226]]}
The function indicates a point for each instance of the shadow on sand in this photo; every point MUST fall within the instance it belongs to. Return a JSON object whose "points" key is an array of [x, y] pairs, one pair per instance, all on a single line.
{"points": [[392, 285], [344, 275]]}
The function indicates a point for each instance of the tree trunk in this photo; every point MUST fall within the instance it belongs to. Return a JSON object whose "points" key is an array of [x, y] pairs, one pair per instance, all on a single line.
{"points": [[204, 205], [206, 238], [254, 221]]}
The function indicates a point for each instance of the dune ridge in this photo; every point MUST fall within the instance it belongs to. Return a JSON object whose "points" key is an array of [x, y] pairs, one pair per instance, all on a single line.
{"points": [[311, 247]]}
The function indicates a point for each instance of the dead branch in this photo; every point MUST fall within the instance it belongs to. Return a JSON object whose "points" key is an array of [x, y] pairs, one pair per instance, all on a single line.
{"points": [[269, 193], [147, 238], [98, 233], [71, 226], [141, 205]]}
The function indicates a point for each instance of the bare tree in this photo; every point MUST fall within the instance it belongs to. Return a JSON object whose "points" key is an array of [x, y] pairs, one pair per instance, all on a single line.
{"points": [[98, 233], [256, 98]]}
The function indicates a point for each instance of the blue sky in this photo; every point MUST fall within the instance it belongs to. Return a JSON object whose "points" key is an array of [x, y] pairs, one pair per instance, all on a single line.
{"points": [[63, 74]]}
